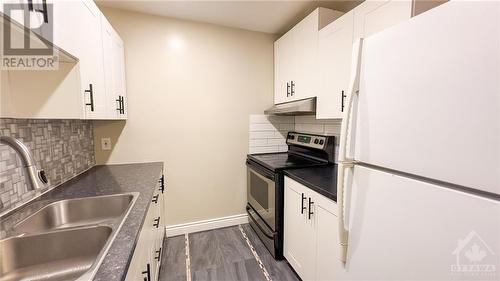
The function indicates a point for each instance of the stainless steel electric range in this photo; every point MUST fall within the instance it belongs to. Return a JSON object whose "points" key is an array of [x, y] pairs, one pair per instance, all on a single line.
{"points": [[265, 183]]}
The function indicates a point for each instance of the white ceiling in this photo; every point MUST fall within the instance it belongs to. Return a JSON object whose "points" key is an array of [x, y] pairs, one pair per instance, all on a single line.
{"points": [[265, 16]]}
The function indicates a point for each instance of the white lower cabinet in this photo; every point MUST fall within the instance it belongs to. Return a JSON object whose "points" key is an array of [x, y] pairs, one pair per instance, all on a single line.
{"points": [[146, 261], [310, 233]]}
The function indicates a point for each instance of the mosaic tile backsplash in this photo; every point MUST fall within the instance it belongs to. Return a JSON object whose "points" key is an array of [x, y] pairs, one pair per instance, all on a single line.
{"points": [[63, 148]]}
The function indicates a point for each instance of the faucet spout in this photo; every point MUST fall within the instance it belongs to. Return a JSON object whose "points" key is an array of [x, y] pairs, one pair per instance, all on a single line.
{"points": [[37, 176]]}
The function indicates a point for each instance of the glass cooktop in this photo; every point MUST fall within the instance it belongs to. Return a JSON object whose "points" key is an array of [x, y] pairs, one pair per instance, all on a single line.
{"points": [[284, 160]]}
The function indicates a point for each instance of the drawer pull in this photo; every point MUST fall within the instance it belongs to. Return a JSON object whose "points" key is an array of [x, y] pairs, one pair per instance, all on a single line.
{"points": [[156, 222], [147, 272], [159, 255]]}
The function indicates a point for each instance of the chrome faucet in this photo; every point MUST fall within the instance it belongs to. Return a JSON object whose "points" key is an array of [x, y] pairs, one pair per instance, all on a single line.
{"points": [[37, 176]]}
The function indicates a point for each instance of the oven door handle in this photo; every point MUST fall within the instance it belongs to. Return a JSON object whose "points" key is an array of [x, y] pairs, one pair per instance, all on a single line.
{"points": [[270, 236]]}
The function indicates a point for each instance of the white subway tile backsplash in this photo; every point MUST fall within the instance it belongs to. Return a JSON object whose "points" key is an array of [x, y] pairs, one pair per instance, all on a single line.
{"points": [[280, 134], [264, 149], [268, 133], [262, 135], [310, 128], [258, 142], [332, 129], [287, 127], [280, 141], [262, 127]]}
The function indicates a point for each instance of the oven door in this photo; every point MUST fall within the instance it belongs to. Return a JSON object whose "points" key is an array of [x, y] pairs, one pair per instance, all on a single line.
{"points": [[261, 193]]}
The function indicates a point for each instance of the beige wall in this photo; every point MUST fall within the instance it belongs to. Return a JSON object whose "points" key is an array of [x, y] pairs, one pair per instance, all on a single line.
{"points": [[191, 88]]}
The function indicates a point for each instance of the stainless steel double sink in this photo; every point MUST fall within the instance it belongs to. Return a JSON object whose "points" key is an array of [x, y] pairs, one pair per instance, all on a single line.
{"points": [[65, 240]]}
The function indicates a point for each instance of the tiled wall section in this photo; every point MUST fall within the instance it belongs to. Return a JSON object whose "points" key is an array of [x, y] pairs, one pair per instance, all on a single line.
{"points": [[268, 133], [63, 148], [309, 124]]}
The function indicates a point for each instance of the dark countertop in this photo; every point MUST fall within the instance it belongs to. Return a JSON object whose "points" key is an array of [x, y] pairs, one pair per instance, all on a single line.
{"points": [[320, 179], [105, 180]]}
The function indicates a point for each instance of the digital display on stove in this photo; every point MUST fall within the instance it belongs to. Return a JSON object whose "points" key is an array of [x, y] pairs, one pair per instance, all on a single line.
{"points": [[304, 139]]}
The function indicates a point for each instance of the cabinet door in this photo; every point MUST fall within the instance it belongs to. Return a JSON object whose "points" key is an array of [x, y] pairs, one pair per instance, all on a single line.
{"points": [[142, 258], [113, 71], [119, 73], [305, 55], [77, 27], [284, 67], [158, 230], [298, 231], [373, 16], [327, 264], [335, 51]]}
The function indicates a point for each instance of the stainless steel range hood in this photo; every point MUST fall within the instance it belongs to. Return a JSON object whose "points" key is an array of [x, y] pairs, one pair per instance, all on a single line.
{"points": [[299, 107]]}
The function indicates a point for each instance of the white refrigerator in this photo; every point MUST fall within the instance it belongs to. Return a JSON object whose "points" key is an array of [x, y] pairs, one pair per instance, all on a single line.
{"points": [[419, 172]]}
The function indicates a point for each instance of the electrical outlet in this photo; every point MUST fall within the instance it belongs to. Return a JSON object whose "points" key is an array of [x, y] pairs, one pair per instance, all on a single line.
{"points": [[106, 143]]}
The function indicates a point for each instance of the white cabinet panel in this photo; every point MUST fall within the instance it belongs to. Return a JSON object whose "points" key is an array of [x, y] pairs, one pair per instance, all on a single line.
{"points": [[78, 28], [114, 71], [371, 17], [296, 58], [146, 260], [284, 67], [298, 231], [310, 238], [335, 51], [327, 248], [305, 42]]}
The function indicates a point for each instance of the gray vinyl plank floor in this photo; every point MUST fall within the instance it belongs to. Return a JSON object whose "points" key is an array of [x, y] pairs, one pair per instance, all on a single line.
{"points": [[278, 270], [173, 260], [221, 255]]}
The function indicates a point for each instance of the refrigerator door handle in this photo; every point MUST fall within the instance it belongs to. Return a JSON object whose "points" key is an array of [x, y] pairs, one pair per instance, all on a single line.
{"points": [[345, 162]]}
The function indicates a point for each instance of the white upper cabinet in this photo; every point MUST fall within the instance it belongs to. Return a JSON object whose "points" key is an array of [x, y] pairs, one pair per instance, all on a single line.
{"points": [[284, 67], [114, 71], [335, 51], [296, 57], [77, 27], [371, 17], [305, 42], [90, 85]]}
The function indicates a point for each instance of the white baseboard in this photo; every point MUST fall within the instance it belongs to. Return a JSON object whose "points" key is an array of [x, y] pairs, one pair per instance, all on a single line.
{"points": [[197, 226]]}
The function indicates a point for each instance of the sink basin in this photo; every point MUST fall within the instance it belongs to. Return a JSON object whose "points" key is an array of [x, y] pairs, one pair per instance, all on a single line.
{"points": [[76, 212], [59, 255]]}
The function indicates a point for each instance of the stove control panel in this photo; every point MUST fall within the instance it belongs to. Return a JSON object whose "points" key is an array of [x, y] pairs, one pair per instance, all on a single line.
{"points": [[307, 140]]}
